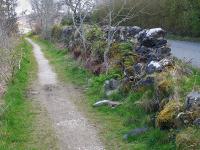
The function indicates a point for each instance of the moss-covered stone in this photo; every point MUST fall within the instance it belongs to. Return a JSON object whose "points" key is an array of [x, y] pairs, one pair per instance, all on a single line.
{"points": [[164, 84], [166, 117], [165, 87]]}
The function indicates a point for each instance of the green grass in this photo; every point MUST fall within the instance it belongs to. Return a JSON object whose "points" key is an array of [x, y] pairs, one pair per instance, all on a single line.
{"points": [[113, 123], [16, 118]]}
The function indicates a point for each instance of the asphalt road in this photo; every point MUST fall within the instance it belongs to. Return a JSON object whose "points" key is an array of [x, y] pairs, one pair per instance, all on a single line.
{"points": [[188, 51]]}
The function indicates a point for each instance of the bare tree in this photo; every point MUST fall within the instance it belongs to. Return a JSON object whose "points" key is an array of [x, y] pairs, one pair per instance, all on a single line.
{"points": [[124, 13], [8, 32], [44, 14], [8, 20], [80, 9]]}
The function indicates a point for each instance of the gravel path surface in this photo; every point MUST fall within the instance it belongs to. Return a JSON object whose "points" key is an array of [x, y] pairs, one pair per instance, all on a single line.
{"points": [[73, 130]]}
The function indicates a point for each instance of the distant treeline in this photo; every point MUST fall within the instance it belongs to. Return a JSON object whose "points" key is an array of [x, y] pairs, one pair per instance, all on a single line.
{"points": [[180, 17]]}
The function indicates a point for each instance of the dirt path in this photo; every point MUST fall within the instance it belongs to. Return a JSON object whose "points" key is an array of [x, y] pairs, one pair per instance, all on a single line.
{"points": [[73, 130]]}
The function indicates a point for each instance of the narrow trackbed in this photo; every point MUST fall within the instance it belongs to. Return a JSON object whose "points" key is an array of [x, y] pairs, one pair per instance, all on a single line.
{"points": [[73, 130]]}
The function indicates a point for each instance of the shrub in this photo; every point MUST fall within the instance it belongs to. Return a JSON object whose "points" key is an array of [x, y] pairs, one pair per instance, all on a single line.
{"points": [[56, 32], [98, 48], [126, 47], [66, 21], [94, 33]]}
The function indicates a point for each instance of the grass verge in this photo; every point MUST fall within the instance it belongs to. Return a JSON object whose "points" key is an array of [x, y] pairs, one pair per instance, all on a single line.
{"points": [[16, 116], [113, 123]]}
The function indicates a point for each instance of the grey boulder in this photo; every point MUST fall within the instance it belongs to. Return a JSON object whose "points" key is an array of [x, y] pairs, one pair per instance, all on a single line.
{"points": [[139, 69], [152, 37], [158, 66], [132, 31], [153, 66], [192, 101], [163, 52]]}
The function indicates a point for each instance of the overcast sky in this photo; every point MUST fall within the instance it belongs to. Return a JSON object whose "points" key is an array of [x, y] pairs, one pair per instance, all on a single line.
{"points": [[23, 5]]}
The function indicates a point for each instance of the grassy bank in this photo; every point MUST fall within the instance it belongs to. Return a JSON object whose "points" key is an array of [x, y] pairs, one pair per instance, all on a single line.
{"points": [[113, 123], [16, 116]]}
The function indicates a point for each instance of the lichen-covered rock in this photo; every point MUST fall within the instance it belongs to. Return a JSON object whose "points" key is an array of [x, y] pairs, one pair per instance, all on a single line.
{"points": [[183, 119], [122, 33], [152, 37], [158, 55], [142, 50], [132, 31], [149, 54], [166, 117], [162, 103], [187, 118], [163, 52], [139, 69], [155, 33], [166, 62], [188, 139], [192, 101], [160, 43], [158, 66], [153, 66]]}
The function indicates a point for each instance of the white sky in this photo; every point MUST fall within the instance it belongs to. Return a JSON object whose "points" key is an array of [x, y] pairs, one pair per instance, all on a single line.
{"points": [[23, 5]]}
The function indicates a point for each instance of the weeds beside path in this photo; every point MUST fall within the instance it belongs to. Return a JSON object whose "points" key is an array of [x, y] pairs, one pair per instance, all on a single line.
{"points": [[23, 123], [16, 115]]}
